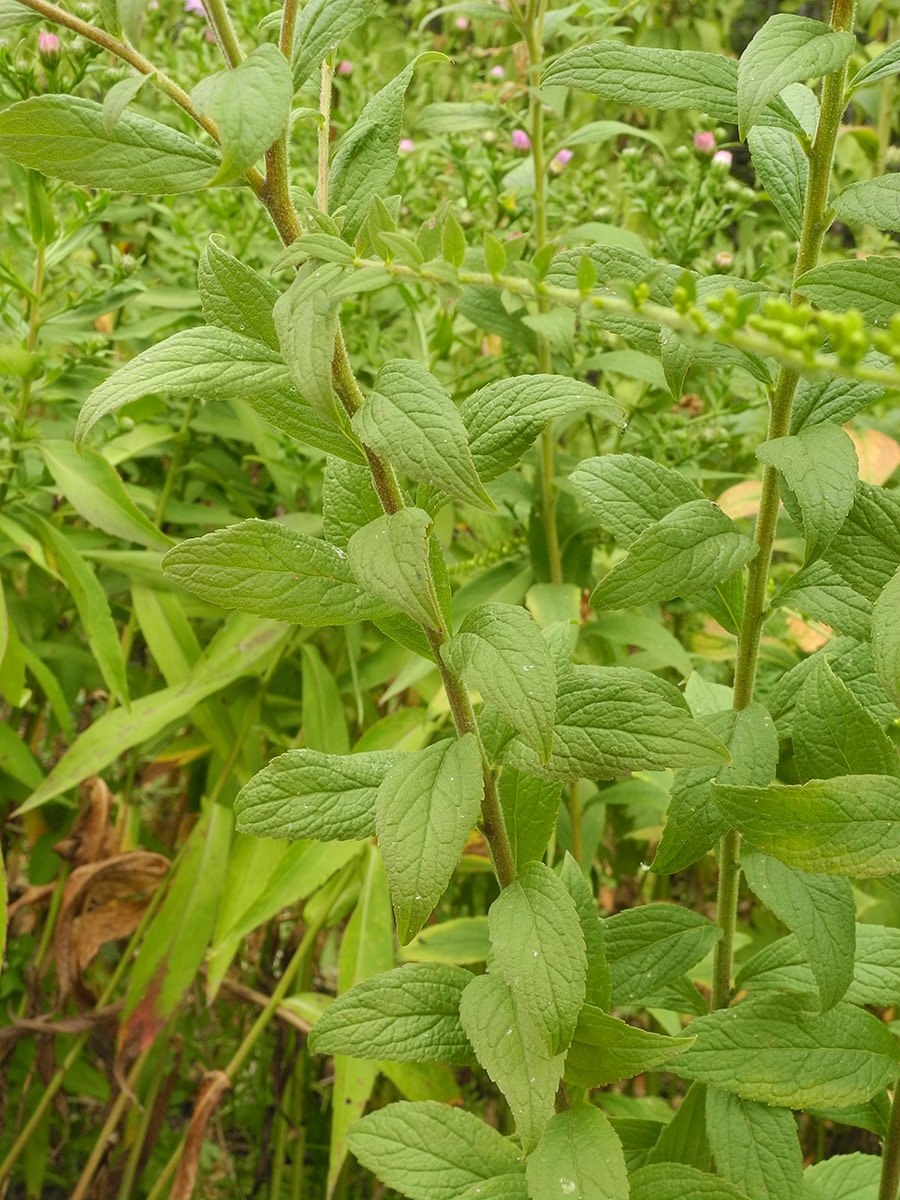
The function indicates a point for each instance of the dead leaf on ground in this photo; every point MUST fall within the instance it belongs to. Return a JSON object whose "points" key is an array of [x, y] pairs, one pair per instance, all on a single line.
{"points": [[92, 836], [878, 454]]}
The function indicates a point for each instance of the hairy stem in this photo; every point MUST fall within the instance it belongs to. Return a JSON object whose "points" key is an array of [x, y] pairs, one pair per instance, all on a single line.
{"points": [[815, 224], [222, 26], [890, 1153]]}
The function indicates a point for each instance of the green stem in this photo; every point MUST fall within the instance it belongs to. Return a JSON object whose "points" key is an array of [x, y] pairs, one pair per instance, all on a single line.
{"points": [[890, 1153], [34, 326], [816, 219], [122, 1100], [324, 137], [887, 104], [222, 26]]}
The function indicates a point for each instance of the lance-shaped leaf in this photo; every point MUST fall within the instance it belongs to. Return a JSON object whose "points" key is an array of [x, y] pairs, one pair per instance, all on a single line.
{"points": [[263, 567], [216, 364], [835, 399], [772, 1051], [849, 825], [250, 104], [653, 945], [306, 319], [783, 170], [579, 1155], [605, 1050], [307, 794], [834, 734], [234, 296], [628, 493], [66, 137], [819, 909], [530, 808], [430, 1151], [410, 1014], [788, 49], [870, 202], [680, 1181], [754, 1146], [598, 981], [424, 812], [613, 720], [886, 636], [504, 418], [389, 557], [321, 26], [820, 592], [882, 66], [819, 468], [870, 284], [509, 1046], [412, 421], [539, 950], [690, 549], [501, 652]]}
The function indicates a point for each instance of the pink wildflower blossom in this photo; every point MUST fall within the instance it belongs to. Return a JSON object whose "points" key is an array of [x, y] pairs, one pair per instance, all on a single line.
{"points": [[345, 67], [461, 23], [497, 72], [195, 6], [48, 45], [407, 145], [520, 140], [705, 141], [723, 158]]}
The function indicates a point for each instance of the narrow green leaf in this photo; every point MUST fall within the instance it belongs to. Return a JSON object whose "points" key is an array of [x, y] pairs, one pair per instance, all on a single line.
{"points": [[234, 296], [409, 1014], [683, 1141], [678, 1181], [820, 911], [819, 592], [870, 202], [819, 467], [250, 104], [605, 1050], [453, 241], [430, 1151], [539, 949], [306, 319], [788, 49], [412, 421], [783, 170], [322, 708], [835, 399], [579, 1156], [390, 559], [118, 98], [598, 981], [321, 26], [463, 940], [17, 761], [886, 636], [849, 825], [834, 734], [773, 1052], [500, 651], [504, 418], [65, 137], [755, 1147], [530, 808], [627, 493], [882, 66], [425, 809], [307, 794], [509, 1046], [871, 285], [265, 568], [653, 945]]}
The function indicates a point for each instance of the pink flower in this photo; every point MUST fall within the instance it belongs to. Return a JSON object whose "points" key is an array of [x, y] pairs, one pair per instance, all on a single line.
{"points": [[208, 35], [724, 259], [461, 23], [560, 159], [345, 67], [195, 6], [520, 140], [48, 46], [497, 72], [407, 145], [722, 158], [705, 142]]}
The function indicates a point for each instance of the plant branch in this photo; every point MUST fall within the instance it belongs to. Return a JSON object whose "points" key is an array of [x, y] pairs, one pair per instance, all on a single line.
{"points": [[222, 26], [890, 1152]]}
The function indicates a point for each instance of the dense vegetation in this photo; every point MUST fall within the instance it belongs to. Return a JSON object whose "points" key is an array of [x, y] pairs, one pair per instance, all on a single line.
{"points": [[450, 608]]}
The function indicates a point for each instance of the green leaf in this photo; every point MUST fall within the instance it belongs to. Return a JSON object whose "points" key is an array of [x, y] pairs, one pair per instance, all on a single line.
{"points": [[65, 137], [539, 949], [119, 97], [819, 468], [579, 1158], [612, 720], [499, 1187], [389, 557], [307, 794], [819, 592], [605, 1050], [306, 321], [598, 979], [788, 49], [835, 399], [409, 1014], [843, 1177], [92, 604], [430, 1151], [866, 552], [683, 1140], [627, 493], [176, 941], [755, 1147], [834, 734], [774, 1052], [240, 648], [265, 568], [882, 66], [322, 709], [500, 651], [651, 946], [870, 202], [453, 241], [783, 170], [504, 418], [411, 421], [217, 364], [509, 1046], [693, 822], [678, 1181], [886, 636], [870, 285], [462, 940], [250, 104], [530, 807], [93, 488], [233, 296], [690, 549], [849, 825], [820, 911], [425, 809], [17, 761], [321, 26]]}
